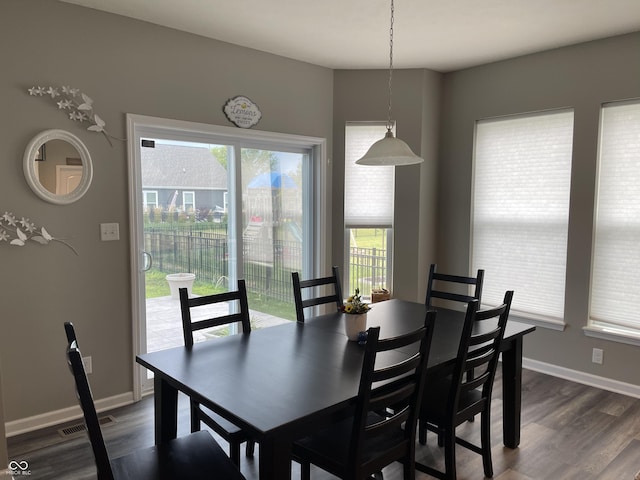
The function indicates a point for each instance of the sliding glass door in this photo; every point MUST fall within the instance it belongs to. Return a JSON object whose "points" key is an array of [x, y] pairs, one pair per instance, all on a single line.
{"points": [[210, 207]]}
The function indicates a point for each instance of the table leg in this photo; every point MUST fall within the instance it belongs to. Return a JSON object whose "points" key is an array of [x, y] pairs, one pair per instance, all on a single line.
{"points": [[275, 459], [165, 409], [512, 392]]}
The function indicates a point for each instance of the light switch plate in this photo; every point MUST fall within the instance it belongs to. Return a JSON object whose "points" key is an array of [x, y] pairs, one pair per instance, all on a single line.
{"points": [[88, 364], [109, 231]]}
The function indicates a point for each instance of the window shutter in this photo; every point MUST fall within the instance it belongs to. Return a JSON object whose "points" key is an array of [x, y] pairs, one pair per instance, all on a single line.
{"points": [[368, 190], [522, 177], [615, 279]]}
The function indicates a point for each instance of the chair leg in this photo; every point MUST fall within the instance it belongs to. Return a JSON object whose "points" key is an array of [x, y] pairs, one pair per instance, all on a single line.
{"points": [[251, 446], [449, 453], [422, 432], [195, 418], [408, 469], [234, 452], [305, 471], [485, 439]]}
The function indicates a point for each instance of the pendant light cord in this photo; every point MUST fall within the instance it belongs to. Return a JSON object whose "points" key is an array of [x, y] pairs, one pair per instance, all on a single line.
{"points": [[389, 124]]}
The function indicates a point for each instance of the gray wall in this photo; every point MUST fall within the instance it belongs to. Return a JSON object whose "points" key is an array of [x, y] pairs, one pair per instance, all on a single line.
{"points": [[133, 67], [362, 95], [581, 77], [126, 66], [3, 445]]}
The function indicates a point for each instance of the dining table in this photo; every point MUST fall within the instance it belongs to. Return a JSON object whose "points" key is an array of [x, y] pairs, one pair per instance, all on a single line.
{"points": [[282, 382]]}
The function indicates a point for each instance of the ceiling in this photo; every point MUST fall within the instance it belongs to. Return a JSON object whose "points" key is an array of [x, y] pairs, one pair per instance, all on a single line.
{"points": [[441, 35]]}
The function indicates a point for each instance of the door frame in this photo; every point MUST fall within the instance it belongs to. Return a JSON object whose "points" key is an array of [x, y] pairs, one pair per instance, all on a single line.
{"points": [[139, 126]]}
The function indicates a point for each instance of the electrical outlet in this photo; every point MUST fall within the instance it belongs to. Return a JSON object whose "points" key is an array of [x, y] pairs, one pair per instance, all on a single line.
{"points": [[88, 366], [109, 231], [597, 356]]}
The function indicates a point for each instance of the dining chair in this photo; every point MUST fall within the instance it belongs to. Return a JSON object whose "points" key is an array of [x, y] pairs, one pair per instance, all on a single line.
{"points": [[196, 456], [456, 398], [447, 287], [190, 306], [326, 290], [361, 445]]}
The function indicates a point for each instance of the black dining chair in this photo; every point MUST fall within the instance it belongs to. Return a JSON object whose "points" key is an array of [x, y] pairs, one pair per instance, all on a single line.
{"points": [[230, 432], [450, 287], [456, 398], [362, 444], [196, 456], [316, 291]]}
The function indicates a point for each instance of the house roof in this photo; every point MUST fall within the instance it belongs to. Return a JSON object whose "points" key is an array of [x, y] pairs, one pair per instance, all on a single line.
{"points": [[181, 167]]}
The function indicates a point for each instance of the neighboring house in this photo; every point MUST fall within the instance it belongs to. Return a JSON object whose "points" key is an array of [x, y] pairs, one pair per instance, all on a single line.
{"points": [[183, 178]]}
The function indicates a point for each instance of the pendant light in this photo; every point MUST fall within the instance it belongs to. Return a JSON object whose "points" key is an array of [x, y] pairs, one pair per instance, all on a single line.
{"points": [[389, 150]]}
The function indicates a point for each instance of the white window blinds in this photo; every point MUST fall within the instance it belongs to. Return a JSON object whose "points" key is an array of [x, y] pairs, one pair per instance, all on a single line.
{"points": [[615, 278], [522, 176], [368, 190]]}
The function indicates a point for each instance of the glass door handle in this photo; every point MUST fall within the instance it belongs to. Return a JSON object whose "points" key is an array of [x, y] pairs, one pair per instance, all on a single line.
{"points": [[147, 261]]}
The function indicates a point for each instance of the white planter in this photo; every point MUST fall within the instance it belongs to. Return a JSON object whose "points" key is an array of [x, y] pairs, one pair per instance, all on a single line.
{"points": [[180, 280], [354, 324]]}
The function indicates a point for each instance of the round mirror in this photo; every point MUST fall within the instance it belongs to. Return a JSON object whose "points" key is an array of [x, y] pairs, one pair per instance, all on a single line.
{"points": [[57, 166]]}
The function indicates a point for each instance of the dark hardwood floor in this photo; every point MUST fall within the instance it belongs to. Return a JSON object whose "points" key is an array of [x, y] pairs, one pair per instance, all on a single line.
{"points": [[569, 432]]}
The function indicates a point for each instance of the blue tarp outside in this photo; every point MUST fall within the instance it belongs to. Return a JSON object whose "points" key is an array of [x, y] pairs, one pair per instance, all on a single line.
{"points": [[272, 180]]}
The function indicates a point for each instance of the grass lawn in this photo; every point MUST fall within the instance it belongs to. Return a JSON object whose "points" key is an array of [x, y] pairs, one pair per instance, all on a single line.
{"points": [[369, 238], [156, 285]]}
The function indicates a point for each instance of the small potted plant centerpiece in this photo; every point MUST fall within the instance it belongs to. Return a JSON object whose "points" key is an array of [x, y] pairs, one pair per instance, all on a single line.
{"points": [[356, 315]]}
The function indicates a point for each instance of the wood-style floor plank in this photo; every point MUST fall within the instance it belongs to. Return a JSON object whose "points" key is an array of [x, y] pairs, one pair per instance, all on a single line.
{"points": [[569, 432]]}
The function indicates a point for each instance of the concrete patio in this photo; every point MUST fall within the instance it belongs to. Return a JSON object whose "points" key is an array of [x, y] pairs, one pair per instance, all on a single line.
{"points": [[164, 323]]}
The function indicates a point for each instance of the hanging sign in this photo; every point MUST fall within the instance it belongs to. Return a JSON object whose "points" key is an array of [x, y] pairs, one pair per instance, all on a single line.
{"points": [[242, 112]]}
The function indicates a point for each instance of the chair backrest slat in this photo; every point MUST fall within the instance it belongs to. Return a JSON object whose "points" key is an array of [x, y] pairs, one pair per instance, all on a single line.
{"points": [[443, 286], [187, 304], [309, 293]]}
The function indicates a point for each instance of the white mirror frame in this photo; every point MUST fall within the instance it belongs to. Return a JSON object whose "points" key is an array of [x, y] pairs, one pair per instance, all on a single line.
{"points": [[32, 176]]}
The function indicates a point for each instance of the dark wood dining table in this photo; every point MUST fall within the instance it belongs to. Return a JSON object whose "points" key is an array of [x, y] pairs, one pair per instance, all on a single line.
{"points": [[279, 383]]}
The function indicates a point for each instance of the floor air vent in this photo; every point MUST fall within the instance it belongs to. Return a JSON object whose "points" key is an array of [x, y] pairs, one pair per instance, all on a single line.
{"points": [[78, 428]]}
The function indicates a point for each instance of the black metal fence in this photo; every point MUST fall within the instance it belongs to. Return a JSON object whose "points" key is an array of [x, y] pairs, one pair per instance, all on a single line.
{"points": [[267, 264]]}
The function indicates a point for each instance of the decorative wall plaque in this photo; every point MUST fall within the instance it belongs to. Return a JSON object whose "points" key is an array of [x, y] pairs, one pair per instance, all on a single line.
{"points": [[242, 112]]}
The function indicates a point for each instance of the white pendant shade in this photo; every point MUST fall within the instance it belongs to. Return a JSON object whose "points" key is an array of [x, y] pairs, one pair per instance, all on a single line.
{"points": [[389, 151]]}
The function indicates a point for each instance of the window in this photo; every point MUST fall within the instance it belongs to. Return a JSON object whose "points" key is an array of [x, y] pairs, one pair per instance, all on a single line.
{"points": [[150, 199], [368, 212], [188, 201], [615, 272], [522, 179]]}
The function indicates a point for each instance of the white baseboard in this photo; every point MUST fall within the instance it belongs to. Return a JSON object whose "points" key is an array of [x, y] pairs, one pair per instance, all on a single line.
{"points": [[57, 417], [584, 378]]}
